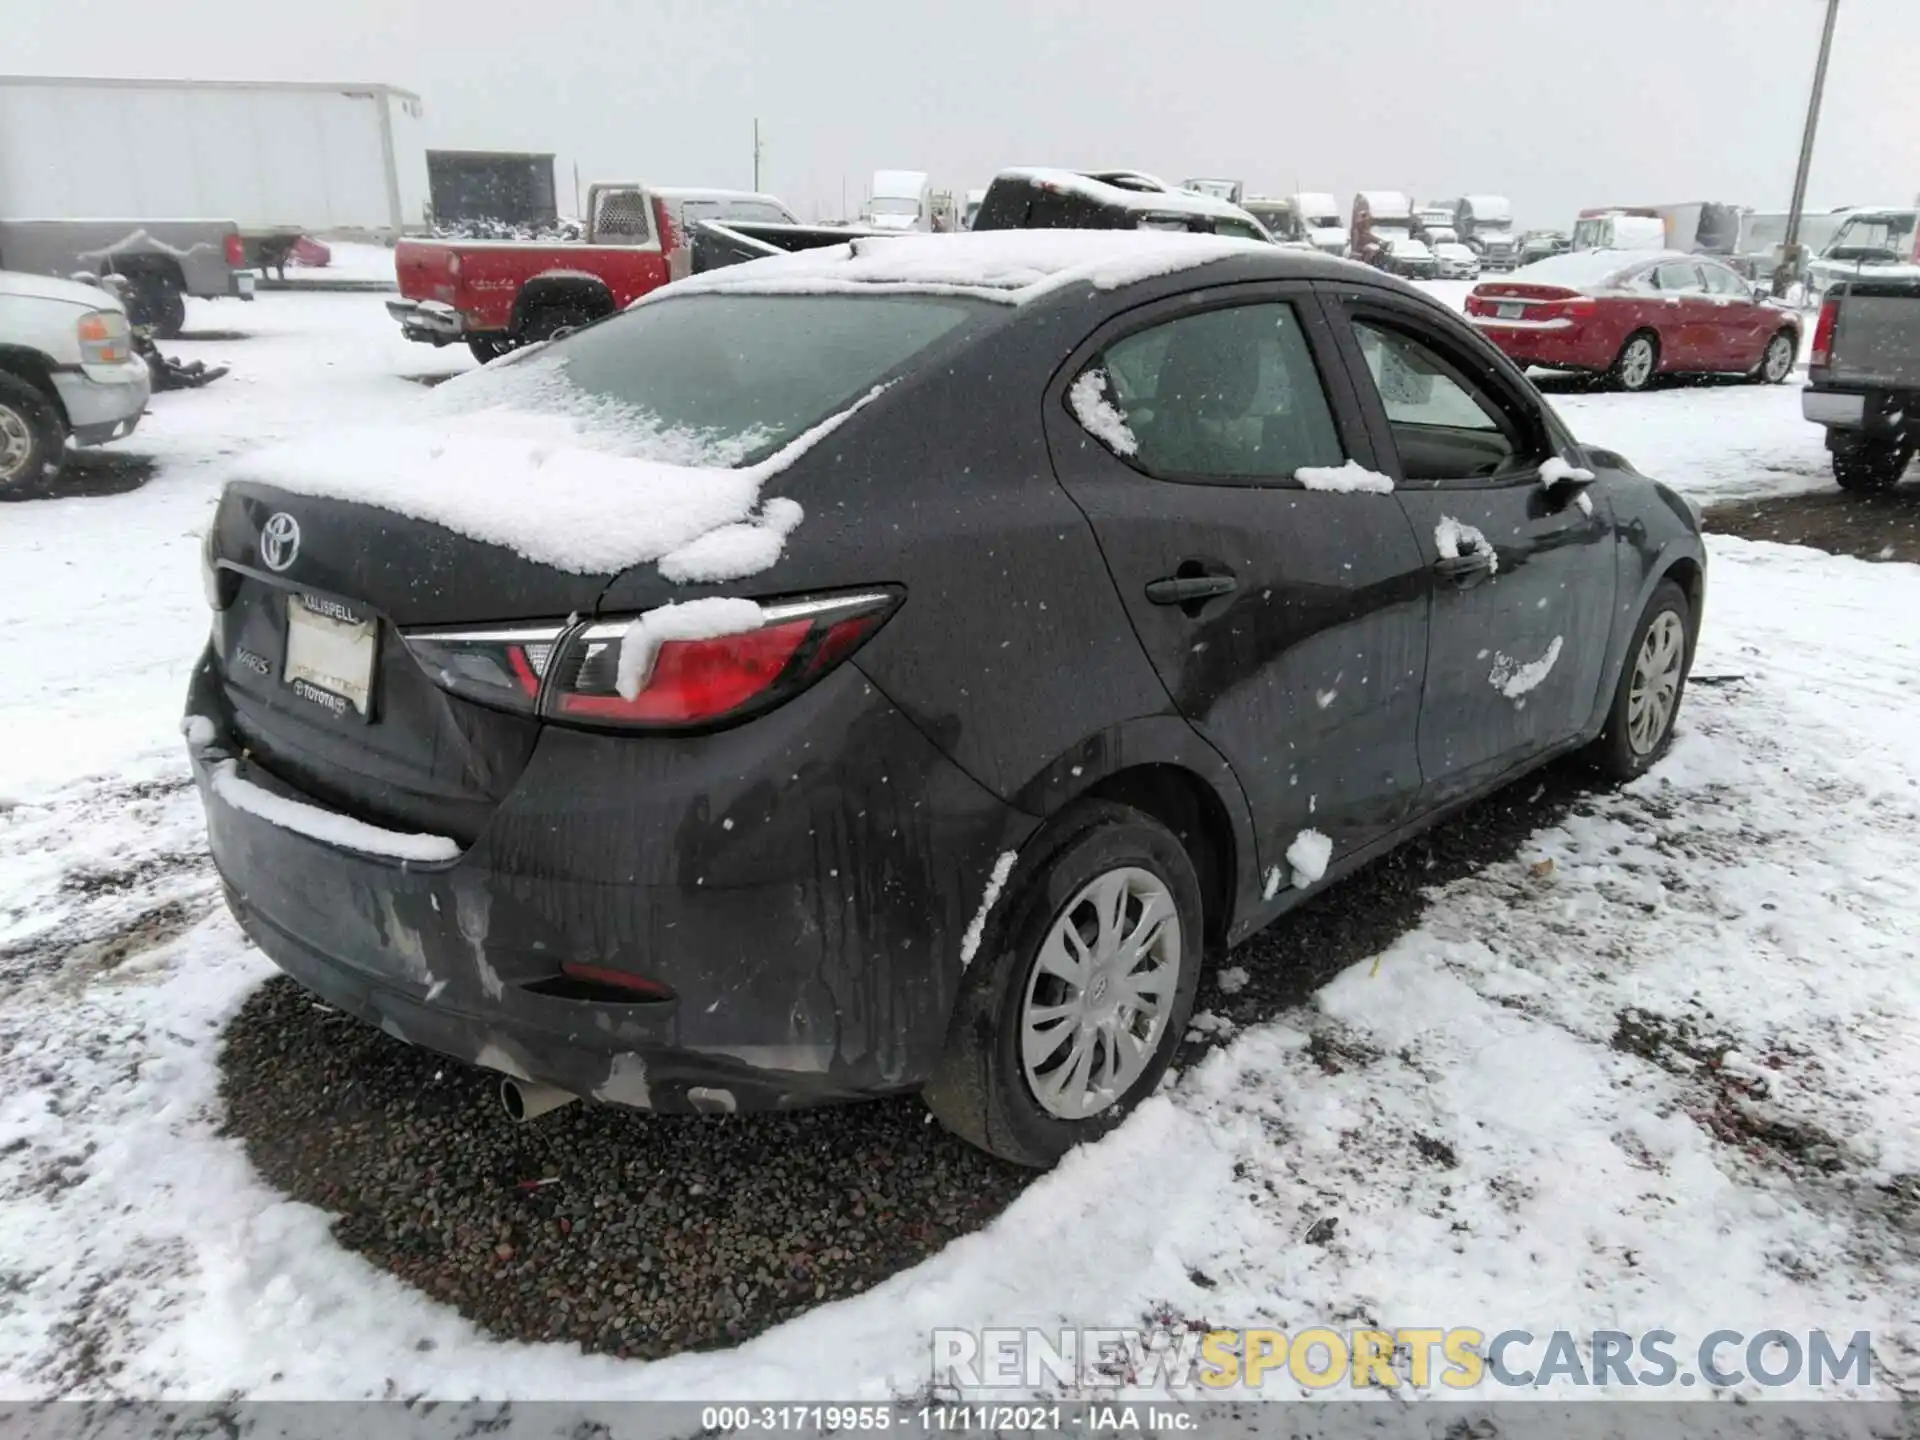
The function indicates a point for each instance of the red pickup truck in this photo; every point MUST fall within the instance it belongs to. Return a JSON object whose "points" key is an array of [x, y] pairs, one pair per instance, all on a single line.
{"points": [[498, 294]]}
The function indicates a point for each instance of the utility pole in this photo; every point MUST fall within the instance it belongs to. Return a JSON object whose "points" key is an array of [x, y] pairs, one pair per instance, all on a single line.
{"points": [[1790, 248], [756, 154]]}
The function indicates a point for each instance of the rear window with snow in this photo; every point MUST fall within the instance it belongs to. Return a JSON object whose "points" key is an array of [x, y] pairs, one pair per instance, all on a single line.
{"points": [[721, 379]]}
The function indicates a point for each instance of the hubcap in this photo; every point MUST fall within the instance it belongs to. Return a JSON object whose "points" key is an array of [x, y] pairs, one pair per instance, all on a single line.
{"points": [[16, 444], [1779, 358], [1100, 993], [1638, 366], [1656, 683]]}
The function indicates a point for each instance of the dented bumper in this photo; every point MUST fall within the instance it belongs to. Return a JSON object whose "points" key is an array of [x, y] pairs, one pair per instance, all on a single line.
{"points": [[797, 885]]}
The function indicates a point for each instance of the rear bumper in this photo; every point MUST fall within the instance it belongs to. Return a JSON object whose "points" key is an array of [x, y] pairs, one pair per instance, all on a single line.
{"points": [[103, 402], [1550, 344], [432, 322], [1874, 414], [800, 884]]}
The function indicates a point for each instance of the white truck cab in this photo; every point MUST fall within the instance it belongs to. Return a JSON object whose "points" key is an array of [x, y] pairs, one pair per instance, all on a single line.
{"points": [[67, 371], [902, 200]]}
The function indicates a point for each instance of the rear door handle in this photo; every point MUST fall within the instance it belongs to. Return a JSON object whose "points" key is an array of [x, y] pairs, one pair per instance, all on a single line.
{"points": [[1189, 589]]}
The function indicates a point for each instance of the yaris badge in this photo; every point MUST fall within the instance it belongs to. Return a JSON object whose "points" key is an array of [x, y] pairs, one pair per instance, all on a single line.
{"points": [[279, 540]]}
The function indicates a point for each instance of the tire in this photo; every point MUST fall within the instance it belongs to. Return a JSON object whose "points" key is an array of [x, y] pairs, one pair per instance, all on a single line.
{"points": [[33, 438], [485, 348], [1632, 740], [1777, 361], [984, 1088], [1866, 467], [1631, 372], [551, 322], [157, 302]]}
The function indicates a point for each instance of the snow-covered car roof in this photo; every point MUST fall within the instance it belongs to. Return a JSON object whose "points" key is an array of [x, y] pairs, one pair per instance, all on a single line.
{"points": [[1594, 269], [1012, 266], [1406, 245], [1453, 250]]}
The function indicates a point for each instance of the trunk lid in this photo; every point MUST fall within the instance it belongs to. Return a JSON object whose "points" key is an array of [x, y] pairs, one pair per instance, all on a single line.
{"points": [[416, 757]]}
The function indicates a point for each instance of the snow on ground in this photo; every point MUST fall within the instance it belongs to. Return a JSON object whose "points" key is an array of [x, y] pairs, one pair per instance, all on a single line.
{"points": [[353, 260], [123, 570], [1666, 1081]]}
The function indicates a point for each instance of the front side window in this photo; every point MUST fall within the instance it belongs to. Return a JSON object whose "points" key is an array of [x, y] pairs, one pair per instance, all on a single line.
{"points": [[1443, 428], [1229, 394], [1722, 281]]}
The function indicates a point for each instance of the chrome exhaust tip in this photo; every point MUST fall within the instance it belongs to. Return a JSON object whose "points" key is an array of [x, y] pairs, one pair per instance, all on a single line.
{"points": [[524, 1100]]}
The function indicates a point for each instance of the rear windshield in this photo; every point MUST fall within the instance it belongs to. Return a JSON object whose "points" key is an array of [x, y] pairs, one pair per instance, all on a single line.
{"points": [[720, 379]]}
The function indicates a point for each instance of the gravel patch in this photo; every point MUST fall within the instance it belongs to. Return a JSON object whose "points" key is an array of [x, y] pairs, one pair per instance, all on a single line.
{"points": [[1883, 526], [642, 1235]]}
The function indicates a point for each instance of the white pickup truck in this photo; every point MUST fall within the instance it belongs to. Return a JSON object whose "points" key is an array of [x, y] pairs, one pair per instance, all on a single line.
{"points": [[67, 371]]}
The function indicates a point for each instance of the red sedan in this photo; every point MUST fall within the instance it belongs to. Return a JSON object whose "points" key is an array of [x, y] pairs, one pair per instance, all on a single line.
{"points": [[1633, 315]]}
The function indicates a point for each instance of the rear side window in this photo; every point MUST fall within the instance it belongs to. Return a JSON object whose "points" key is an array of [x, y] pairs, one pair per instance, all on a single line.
{"points": [[721, 379], [1229, 394], [1678, 278]]}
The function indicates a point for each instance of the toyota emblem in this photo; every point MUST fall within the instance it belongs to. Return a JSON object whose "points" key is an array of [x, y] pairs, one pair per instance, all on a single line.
{"points": [[279, 540]]}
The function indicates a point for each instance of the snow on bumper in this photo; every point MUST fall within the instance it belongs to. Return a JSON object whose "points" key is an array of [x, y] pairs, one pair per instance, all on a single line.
{"points": [[799, 915]]}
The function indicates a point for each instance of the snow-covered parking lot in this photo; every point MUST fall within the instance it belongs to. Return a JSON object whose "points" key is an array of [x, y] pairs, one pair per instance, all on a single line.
{"points": [[1641, 1060]]}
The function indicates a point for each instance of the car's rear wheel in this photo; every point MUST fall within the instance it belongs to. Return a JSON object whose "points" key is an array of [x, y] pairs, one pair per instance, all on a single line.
{"points": [[1638, 361], [33, 438], [1080, 990], [485, 348], [1776, 363], [1865, 466], [1647, 699]]}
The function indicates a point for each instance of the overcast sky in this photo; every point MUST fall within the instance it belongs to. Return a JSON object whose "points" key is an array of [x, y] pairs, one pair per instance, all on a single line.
{"points": [[1556, 103]]}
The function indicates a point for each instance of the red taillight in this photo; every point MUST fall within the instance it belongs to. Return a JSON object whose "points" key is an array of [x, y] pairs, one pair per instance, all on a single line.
{"points": [[236, 251], [669, 237], [698, 680], [1822, 355], [633, 987], [664, 670], [1476, 305]]}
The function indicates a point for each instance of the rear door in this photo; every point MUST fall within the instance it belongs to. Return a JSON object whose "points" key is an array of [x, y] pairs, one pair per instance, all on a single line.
{"points": [[1520, 577], [1287, 624]]}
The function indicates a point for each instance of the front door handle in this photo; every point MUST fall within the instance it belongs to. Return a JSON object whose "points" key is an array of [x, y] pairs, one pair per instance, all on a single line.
{"points": [[1468, 568], [1189, 589]]}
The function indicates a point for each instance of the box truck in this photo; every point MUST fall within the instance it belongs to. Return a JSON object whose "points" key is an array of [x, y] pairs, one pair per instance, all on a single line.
{"points": [[181, 185]]}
